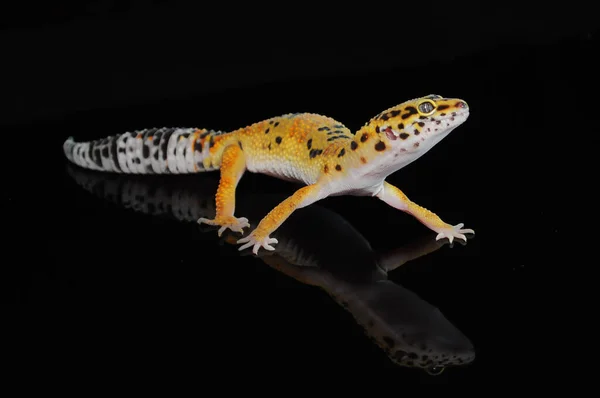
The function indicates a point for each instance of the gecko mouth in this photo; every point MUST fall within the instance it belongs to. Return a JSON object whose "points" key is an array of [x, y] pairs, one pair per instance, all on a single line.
{"points": [[455, 119]]}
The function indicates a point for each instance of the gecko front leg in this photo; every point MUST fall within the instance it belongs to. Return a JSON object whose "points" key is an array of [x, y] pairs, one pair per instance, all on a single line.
{"points": [[397, 199], [233, 166], [260, 236]]}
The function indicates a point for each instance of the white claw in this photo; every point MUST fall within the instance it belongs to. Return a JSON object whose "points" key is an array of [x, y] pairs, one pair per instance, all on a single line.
{"points": [[234, 224], [250, 240], [454, 232]]}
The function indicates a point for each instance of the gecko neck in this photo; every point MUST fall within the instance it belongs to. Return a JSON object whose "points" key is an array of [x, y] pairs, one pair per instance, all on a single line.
{"points": [[401, 156], [374, 166]]}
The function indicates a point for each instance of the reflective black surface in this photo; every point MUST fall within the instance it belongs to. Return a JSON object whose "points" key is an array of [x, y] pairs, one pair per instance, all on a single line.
{"points": [[112, 272]]}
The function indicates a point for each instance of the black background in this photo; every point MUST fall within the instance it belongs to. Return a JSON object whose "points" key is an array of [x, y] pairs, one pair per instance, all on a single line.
{"points": [[105, 293]]}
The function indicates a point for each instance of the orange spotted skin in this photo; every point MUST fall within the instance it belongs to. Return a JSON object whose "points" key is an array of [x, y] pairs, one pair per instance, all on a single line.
{"points": [[316, 151], [295, 147]]}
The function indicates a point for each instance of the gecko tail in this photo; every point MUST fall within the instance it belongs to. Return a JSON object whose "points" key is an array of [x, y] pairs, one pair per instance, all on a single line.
{"points": [[149, 151]]}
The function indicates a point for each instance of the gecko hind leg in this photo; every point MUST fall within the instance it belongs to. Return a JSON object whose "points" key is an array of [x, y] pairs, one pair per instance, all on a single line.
{"points": [[233, 166]]}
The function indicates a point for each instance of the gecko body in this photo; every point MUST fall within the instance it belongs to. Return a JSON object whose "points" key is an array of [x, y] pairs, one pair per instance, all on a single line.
{"points": [[314, 150]]}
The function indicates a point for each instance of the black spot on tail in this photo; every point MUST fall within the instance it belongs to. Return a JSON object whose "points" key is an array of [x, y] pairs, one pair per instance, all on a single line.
{"points": [[149, 133], [97, 156], [112, 142], [165, 142], [156, 138]]}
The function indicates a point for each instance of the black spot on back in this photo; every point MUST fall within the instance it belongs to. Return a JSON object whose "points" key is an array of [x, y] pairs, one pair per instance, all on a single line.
{"points": [[309, 143], [342, 152], [315, 152], [380, 146], [353, 145], [278, 140], [364, 137]]}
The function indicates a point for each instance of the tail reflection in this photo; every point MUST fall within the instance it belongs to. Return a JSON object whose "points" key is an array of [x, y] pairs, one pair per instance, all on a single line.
{"points": [[317, 247]]}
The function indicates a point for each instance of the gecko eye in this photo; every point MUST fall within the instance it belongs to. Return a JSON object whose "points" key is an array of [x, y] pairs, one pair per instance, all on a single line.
{"points": [[426, 107]]}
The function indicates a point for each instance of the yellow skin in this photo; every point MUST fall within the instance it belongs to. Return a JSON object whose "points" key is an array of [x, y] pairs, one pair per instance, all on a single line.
{"points": [[329, 160]]}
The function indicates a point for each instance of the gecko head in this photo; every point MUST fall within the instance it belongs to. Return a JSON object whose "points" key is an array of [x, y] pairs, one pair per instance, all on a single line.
{"points": [[418, 124]]}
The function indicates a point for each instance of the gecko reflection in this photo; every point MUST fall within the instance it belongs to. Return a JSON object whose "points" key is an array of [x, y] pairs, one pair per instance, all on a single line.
{"points": [[320, 248]]}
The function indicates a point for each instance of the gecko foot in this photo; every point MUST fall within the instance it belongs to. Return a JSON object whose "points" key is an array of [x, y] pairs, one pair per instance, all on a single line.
{"points": [[257, 241], [234, 224], [452, 232]]}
